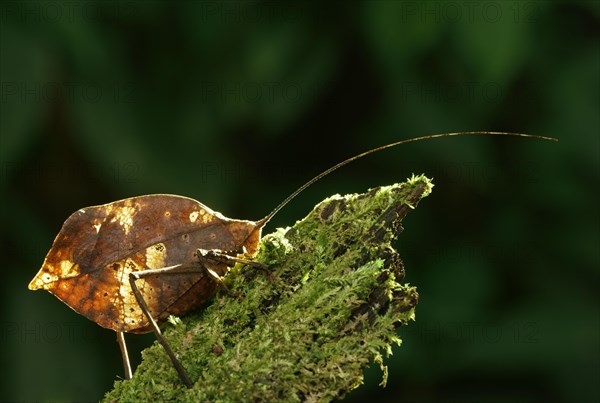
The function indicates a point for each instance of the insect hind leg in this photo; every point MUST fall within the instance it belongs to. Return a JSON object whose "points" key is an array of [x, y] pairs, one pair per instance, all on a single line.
{"points": [[133, 276], [124, 355]]}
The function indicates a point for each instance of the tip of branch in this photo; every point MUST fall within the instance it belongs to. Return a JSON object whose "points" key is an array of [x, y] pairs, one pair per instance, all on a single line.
{"points": [[330, 308]]}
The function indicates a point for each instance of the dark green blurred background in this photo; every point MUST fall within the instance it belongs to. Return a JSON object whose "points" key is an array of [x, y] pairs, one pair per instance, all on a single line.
{"points": [[237, 104]]}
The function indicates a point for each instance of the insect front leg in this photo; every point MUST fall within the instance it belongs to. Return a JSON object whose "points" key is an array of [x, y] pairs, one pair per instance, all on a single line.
{"points": [[140, 299], [218, 256], [212, 258]]}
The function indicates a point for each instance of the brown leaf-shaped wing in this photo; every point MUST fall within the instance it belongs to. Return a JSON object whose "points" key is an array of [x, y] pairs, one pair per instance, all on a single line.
{"points": [[90, 260]]}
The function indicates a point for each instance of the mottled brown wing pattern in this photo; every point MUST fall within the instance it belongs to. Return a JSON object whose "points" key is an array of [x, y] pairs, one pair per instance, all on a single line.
{"points": [[90, 260]]}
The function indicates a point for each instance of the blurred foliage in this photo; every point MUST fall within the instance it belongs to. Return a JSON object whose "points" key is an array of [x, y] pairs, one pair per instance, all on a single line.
{"points": [[237, 104]]}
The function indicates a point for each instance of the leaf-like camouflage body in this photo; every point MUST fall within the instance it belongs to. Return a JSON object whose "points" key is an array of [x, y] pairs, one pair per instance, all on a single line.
{"points": [[90, 260]]}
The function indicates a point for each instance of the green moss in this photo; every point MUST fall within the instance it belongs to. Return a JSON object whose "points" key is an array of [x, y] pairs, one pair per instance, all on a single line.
{"points": [[330, 307]]}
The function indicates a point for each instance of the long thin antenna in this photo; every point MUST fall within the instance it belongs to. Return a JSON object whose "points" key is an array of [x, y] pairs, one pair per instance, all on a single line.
{"points": [[265, 220]]}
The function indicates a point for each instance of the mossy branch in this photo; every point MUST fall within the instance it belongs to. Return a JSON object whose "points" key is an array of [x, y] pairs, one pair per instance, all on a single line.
{"points": [[329, 308]]}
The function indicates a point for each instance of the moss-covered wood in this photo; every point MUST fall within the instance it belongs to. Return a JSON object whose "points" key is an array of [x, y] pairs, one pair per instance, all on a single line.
{"points": [[329, 308]]}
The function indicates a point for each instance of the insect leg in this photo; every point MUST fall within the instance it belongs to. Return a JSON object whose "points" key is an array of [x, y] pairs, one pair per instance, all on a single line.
{"points": [[123, 346], [230, 261], [219, 280], [205, 255], [140, 299]]}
